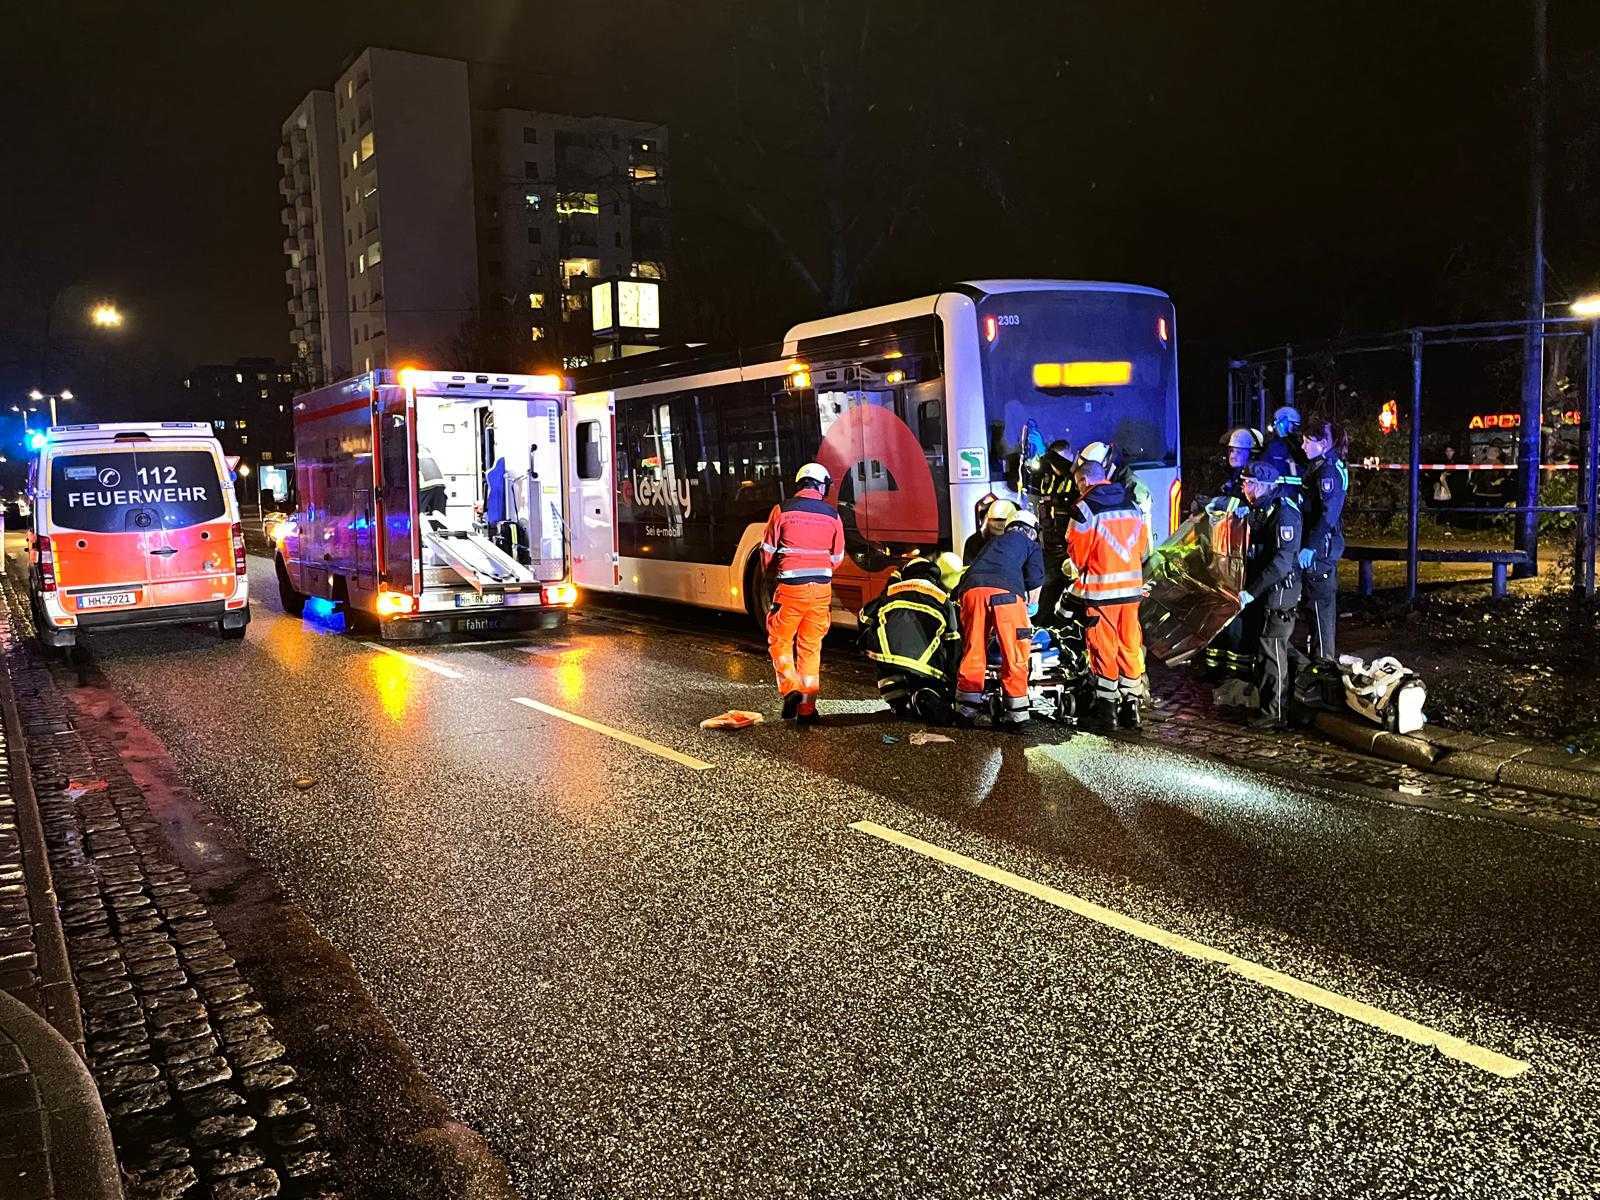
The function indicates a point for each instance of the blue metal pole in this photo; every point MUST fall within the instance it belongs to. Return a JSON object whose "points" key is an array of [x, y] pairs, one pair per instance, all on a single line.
{"points": [[1591, 460]]}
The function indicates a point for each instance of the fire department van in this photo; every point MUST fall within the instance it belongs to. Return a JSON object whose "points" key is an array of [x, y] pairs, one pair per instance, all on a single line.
{"points": [[134, 525]]}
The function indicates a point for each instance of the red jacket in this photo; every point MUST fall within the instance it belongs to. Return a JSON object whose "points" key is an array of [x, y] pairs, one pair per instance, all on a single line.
{"points": [[804, 538], [1108, 541]]}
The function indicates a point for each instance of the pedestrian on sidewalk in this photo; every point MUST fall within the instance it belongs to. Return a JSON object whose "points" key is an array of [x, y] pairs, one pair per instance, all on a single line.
{"points": [[1107, 543], [1272, 587], [1327, 480], [996, 595], [802, 545]]}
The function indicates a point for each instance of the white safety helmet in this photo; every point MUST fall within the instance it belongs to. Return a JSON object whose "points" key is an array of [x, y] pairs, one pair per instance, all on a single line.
{"points": [[1025, 518], [814, 474], [1095, 452], [1242, 437], [1286, 418]]}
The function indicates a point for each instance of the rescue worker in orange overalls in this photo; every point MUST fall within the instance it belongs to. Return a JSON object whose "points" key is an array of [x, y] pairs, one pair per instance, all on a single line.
{"points": [[1108, 540], [802, 545], [997, 594]]}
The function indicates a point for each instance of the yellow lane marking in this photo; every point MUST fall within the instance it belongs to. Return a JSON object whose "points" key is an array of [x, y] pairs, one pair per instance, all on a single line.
{"points": [[633, 740], [1367, 1014], [414, 660]]}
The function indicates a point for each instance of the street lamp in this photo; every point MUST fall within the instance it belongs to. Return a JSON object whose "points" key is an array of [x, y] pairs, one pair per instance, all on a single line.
{"points": [[106, 315], [1586, 306], [37, 396]]}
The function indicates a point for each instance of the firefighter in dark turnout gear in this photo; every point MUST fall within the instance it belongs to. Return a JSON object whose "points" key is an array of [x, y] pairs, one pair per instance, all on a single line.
{"points": [[1055, 495], [1327, 480], [1272, 587], [913, 633], [1228, 659]]}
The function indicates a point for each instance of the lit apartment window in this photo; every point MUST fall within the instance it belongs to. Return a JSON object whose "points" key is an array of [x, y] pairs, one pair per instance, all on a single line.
{"points": [[241, 424], [369, 189], [244, 439], [536, 333], [366, 147], [643, 172], [646, 270], [535, 300], [568, 203], [355, 160], [263, 393], [531, 199], [349, 89], [220, 424], [185, 383], [374, 254], [361, 263], [238, 376], [646, 147]]}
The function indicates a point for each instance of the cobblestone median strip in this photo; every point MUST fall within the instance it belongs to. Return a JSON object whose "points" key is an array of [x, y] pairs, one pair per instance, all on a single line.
{"points": [[199, 1097]]}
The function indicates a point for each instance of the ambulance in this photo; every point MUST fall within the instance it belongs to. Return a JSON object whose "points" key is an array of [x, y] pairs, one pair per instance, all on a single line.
{"points": [[430, 503], [133, 525]]}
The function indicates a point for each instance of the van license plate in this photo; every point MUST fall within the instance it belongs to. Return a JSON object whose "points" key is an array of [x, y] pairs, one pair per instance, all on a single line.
{"points": [[107, 600], [479, 599]]}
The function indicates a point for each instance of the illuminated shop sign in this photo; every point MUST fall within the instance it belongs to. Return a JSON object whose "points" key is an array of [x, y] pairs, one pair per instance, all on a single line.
{"points": [[1513, 420]]}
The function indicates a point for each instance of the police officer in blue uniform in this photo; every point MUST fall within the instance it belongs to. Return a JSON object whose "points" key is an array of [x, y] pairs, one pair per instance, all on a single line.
{"points": [[1325, 484], [1272, 586], [1283, 450]]}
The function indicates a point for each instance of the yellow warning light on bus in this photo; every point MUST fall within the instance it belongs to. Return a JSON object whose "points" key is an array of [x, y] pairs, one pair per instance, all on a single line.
{"points": [[894, 377], [544, 383], [1082, 374], [410, 377], [799, 379]]}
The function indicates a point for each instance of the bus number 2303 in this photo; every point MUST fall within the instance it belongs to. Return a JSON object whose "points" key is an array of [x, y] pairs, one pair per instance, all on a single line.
{"points": [[1008, 319], [158, 475]]}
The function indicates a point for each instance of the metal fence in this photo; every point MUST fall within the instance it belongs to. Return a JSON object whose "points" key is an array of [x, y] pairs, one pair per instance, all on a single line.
{"points": [[1444, 402]]}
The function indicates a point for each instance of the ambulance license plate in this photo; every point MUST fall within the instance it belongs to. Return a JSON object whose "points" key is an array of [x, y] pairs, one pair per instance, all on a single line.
{"points": [[107, 600], [479, 599]]}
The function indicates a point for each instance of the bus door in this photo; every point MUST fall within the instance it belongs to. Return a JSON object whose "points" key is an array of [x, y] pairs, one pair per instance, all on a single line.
{"points": [[593, 523]]}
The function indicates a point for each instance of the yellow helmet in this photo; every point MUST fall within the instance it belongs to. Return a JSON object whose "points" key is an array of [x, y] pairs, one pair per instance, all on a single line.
{"points": [[950, 568]]}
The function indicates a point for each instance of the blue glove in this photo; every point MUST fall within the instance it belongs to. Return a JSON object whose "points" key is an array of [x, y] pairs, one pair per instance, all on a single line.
{"points": [[1033, 610], [1307, 557]]}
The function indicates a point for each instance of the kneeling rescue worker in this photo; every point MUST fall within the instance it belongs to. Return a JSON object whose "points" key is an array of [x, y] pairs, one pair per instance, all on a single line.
{"points": [[1107, 542], [801, 546], [995, 595]]}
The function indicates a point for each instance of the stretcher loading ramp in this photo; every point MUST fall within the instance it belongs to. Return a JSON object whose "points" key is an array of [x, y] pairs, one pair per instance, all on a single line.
{"points": [[477, 560]]}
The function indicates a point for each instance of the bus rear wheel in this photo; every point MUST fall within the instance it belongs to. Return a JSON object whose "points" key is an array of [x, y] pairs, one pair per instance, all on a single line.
{"points": [[757, 595]]}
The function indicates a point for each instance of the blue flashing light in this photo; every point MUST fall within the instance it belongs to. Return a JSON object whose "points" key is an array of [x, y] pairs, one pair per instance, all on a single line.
{"points": [[36, 440]]}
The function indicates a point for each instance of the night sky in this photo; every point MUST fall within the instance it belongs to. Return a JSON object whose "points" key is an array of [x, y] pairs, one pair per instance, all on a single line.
{"points": [[1286, 170]]}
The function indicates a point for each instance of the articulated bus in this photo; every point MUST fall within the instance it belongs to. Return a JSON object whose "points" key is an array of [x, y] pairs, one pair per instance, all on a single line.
{"points": [[917, 409]]}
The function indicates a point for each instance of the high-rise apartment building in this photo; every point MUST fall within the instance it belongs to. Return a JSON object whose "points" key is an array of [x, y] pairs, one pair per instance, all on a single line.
{"points": [[319, 302], [457, 219]]}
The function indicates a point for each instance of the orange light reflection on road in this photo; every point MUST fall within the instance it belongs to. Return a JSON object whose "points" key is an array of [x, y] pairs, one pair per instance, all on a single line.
{"points": [[288, 643], [569, 674], [392, 678]]}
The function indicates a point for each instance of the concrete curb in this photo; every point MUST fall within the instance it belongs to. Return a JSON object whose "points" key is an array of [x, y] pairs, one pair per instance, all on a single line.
{"points": [[77, 1140], [1515, 763]]}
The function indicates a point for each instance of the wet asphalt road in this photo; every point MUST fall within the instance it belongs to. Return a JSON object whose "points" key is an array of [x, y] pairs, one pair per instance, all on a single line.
{"points": [[640, 979]]}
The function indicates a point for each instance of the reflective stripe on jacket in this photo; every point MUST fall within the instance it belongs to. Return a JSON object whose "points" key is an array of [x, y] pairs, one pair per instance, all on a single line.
{"points": [[804, 539], [1108, 541]]}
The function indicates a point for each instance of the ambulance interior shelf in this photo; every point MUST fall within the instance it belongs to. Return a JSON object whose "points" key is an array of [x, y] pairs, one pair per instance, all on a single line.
{"points": [[500, 460]]}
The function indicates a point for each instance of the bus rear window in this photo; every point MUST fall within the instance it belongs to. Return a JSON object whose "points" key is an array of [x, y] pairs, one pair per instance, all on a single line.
{"points": [[134, 491], [1085, 366]]}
